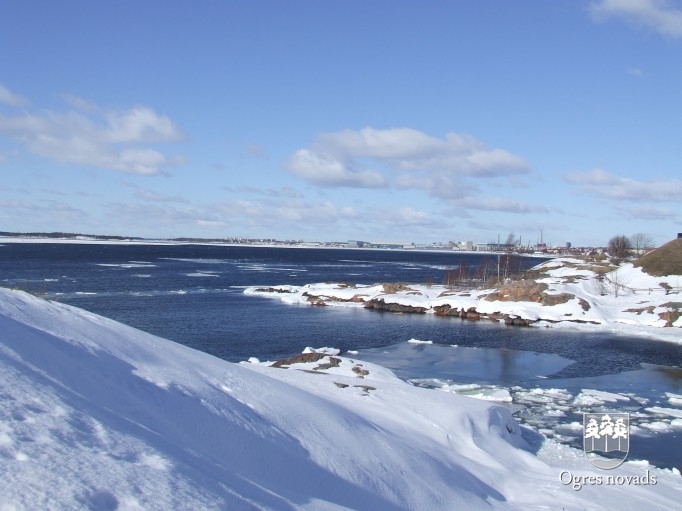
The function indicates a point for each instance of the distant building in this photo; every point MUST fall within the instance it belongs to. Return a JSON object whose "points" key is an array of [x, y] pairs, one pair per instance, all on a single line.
{"points": [[387, 244], [355, 244]]}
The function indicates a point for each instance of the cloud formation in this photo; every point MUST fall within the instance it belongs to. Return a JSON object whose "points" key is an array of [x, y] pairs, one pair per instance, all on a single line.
{"points": [[118, 140], [649, 213], [658, 15], [10, 98], [286, 192], [606, 185], [404, 158], [498, 204], [321, 168]]}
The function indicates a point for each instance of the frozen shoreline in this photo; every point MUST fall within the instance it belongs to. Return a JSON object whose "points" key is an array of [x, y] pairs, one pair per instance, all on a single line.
{"points": [[639, 309]]}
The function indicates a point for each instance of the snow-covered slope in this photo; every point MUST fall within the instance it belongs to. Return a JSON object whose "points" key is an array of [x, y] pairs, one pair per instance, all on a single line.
{"points": [[567, 292], [97, 415]]}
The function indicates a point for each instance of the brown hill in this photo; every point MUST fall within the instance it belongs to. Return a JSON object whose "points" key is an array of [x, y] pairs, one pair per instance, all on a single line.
{"points": [[665, 260]]}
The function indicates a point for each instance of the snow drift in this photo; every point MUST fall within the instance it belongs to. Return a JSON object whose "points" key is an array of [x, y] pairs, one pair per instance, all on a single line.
{"points": [[98, 415]]}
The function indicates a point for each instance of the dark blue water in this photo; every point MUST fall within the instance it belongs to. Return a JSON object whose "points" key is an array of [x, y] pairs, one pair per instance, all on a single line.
{"points": [[193, 294]]}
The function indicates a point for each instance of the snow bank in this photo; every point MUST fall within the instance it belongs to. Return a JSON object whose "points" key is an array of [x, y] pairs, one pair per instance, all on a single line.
{"points": [[97, 415]]}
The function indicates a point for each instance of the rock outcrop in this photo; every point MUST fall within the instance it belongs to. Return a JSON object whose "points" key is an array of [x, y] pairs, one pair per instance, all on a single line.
{"points": [[378, 304]]}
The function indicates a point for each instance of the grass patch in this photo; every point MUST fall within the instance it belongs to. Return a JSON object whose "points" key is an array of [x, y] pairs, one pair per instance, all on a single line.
{"points": [[665, 260]]}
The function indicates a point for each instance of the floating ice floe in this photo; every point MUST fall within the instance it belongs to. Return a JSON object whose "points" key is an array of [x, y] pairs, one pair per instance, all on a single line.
{"points": [[418, 341], [490, 394], [656, 426], [674, 399], [592, 397], [672, 412]]}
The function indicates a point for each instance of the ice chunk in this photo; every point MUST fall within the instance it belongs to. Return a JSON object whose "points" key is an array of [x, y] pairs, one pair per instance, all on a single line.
{"points": [[657, 426], [326, 351], [672, 412], [591, 397], [674, 399]]}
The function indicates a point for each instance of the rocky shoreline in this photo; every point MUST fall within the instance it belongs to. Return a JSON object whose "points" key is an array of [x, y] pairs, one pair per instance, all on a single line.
{"points": [[563, 290]]}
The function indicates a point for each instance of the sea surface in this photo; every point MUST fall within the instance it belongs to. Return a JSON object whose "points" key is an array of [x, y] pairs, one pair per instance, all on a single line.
{"points": [[193, 294]]}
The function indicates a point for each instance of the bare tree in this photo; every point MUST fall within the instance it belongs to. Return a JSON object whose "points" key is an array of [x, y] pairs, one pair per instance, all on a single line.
{"points": [[620, 248], [618, 281], [640, 242]]}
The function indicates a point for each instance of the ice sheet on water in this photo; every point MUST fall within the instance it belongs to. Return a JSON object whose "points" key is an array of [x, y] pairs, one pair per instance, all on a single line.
{"points": [[463, 364]]}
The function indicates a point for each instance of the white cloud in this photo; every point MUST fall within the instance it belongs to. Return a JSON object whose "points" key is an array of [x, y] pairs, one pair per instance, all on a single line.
{"points": [[649, 213], [438, 184], [12, 99], [324, 169], [80, 103], [405, 216], [497, 204], [406, 157], [238, 217], [661, 16], [151, 196], [36, 213], [116, 140], [604, 184], [282, 192], [139, 124]]}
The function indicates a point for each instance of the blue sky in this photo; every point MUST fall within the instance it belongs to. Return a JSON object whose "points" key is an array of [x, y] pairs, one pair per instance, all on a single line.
{"points": [[387, 120]]}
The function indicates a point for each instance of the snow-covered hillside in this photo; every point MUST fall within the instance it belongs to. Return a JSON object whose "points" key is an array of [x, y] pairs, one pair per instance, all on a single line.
{"points": [[97, 415], [562, 292]]}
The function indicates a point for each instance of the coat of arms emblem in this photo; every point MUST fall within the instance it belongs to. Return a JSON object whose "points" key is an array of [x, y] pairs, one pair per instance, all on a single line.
{"points": [[606, 438]]}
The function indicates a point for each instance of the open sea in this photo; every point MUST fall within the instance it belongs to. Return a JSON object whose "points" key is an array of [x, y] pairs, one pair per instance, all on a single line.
{"points": [[193, 294]]}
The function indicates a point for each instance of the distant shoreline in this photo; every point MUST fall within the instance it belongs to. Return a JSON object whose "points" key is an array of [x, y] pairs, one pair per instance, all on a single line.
{"points": [[84, 240]]}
